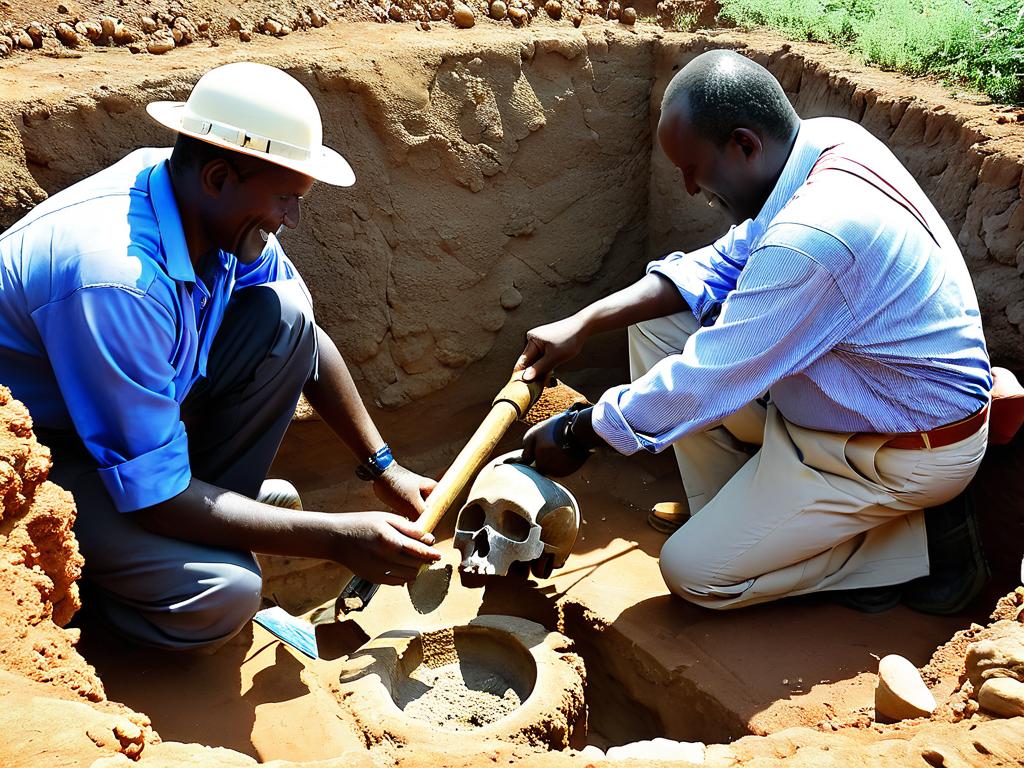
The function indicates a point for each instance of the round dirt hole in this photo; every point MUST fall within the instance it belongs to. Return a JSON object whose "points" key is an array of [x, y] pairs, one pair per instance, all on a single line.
{"points": [[462, 678]]}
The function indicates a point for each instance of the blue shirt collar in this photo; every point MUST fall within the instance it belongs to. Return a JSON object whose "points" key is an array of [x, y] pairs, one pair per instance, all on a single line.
{"points": [[172, 235], [807, 148]]}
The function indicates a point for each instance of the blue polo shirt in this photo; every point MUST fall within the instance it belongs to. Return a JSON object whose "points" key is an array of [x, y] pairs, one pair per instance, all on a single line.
{"points": [[104, 327]]}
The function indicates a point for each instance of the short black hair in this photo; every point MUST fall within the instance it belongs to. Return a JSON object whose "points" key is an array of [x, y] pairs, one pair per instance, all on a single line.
{"points": [[190, 152], [725, 90]]}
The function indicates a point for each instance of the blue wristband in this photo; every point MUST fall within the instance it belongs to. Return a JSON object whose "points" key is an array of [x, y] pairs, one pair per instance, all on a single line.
{"points": [[374, 466]]}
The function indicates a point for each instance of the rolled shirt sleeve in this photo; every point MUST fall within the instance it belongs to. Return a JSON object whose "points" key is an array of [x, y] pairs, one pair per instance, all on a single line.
{"points": [[706, 276], [785, 312], [111, 349]]}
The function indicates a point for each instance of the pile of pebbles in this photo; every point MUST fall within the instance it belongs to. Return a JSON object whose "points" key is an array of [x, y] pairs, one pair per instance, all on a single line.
{"points": [[156, 33], [160, 32], [518, 13]]}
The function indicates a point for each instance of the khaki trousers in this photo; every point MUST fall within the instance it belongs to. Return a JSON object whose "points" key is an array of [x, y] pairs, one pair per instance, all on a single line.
{"points": [[780, 510]]}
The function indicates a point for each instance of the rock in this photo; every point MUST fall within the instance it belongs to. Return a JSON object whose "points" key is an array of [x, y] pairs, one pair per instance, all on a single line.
{"points": [[999, 656], [511, 298], [1002, 696], [577, 19], [901, 693], [317, 19], [123, 35], [273, 27], [23, 39], [438, 11], [35, 31], [592, 752], [234, 24], [244, 35], [66, 34], [614, 10], [395, 13], [161, 42], [424, 25], [518, 16], [185, 29], [107, 25], [498, 10], [659, 749], [5, 45], [463, 16], [92, 30], [554, 9], [149, 25], [628, 16]]}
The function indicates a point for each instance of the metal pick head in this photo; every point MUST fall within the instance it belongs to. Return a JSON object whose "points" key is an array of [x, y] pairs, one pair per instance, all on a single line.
{"points": [[428, 590]]}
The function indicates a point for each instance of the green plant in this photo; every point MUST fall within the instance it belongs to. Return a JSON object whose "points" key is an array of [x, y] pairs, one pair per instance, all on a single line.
{"points": [[977, 42]]}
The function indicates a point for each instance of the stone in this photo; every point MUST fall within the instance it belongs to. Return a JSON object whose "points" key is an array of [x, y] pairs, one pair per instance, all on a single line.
{"points": [[628, 16], [234, 24], [577, 19], [273, 27], [149, 25], [23, 39], [614, 10], [107, 25], [901, 693], [1001, 655], [1002, 696], [93, 30], [498, 10], [395, 13], [123, 35], [438, 11], [161, 42], [518, 16], [659, 749], [66, 34], [463, 16], [553, 9], [244, 35]]}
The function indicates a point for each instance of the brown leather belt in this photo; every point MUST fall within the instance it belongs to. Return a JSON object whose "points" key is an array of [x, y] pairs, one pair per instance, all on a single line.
{"points": [[940, 436]]}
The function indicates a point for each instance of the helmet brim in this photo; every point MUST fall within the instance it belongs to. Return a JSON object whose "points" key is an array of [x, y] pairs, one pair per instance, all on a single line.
{"points": [[328, 167]]}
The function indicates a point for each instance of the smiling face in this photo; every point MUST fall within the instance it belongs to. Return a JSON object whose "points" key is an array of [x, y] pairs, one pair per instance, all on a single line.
{"points": [[730, 176], [251, 198]]}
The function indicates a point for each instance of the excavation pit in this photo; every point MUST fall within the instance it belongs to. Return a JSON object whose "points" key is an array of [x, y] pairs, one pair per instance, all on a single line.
{"points": [[504, 180], [497, 677]]}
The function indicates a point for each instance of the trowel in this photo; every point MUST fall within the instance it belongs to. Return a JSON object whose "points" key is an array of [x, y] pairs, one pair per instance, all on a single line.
{"points": [[339, 638]]}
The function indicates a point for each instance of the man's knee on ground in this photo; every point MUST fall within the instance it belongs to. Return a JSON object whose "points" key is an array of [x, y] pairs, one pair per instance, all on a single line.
{"points": [[224, 599], [689, 567]]}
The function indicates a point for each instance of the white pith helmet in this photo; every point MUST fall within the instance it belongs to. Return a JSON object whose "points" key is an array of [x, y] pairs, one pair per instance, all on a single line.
{"points": [[259, 111]]}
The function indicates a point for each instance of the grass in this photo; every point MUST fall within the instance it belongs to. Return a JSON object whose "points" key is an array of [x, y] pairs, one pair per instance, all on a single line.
{"points": [[979, 43]]}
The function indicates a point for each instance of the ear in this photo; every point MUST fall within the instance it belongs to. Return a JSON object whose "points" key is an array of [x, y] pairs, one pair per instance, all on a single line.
{"points": [[214, 176], [748, 141]]}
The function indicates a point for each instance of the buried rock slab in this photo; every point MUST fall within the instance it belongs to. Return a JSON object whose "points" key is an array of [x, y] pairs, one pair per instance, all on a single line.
{"points": [[497, 678]]}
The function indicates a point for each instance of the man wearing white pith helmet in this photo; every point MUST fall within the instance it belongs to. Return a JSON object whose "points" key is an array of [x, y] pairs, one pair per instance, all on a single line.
{"points": [[161, 338]]}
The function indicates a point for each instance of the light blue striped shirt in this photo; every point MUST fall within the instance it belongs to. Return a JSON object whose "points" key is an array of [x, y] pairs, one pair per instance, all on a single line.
{"points": [[846, 299]]}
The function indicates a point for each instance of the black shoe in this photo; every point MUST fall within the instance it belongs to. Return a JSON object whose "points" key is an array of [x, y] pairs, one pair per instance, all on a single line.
{"points": [[870, 599], [958, 567]]}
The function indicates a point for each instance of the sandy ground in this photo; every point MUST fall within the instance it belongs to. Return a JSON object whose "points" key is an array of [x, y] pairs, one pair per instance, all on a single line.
{"points": [[657, 665]]}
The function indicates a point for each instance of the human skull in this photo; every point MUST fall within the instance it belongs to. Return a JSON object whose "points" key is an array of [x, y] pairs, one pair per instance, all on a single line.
{"points": [[515, 514]]}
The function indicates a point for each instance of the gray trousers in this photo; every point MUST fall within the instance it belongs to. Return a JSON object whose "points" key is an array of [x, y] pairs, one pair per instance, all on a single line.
{"points": [[170, 593]]}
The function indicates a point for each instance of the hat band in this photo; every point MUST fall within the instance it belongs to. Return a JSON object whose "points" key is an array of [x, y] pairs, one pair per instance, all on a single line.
{"points": [[243, 140]]}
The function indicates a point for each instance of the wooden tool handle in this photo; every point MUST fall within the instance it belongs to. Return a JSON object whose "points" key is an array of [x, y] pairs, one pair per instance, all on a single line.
{"points": [[512, 402]]}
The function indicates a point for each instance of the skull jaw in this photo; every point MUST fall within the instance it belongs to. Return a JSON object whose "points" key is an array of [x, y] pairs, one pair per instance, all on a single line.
{"points": [[488, 553]]}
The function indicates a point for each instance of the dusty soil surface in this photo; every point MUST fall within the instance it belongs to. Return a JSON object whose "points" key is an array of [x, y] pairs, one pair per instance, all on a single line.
{"points": [[461, 698]]}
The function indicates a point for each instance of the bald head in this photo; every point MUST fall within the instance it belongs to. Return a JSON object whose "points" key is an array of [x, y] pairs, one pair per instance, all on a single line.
{"points": [[721, 90]]}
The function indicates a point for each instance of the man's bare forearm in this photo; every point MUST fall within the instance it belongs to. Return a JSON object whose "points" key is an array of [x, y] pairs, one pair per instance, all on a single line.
{"points": [[649, 297], [335, 397], [207, 514]]}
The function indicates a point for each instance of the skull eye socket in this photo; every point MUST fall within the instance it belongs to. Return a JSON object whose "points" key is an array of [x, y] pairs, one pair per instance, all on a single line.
{"points": [[472, 518], [514, 526]]}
